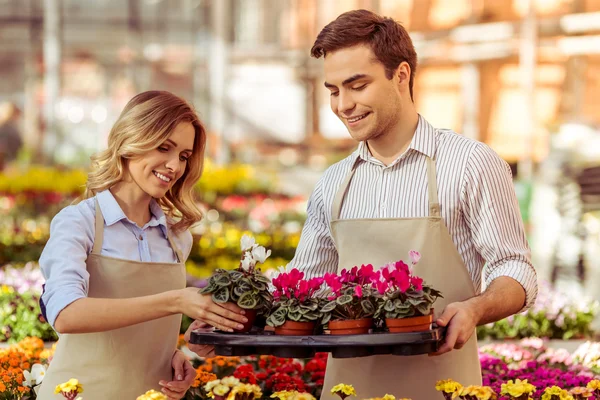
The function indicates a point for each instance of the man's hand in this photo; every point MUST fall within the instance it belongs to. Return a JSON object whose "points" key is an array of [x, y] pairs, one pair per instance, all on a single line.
{"points": [[200, 349], [460, 318], [184, 375]]}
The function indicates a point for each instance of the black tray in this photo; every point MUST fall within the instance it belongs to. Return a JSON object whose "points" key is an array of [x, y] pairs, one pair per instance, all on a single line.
{"points": [[340, 346]]}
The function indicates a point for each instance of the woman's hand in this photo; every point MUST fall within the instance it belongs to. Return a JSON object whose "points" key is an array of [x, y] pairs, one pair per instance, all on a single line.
{"points": [[203, 350], [201, 307], [184, 375]]}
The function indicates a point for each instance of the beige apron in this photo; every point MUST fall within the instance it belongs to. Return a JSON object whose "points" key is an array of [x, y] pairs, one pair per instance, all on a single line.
{"points": [[122, 363], [380, 241]]}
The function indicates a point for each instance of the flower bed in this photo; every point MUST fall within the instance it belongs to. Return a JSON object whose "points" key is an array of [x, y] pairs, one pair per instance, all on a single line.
{"points": [[529, 359]]}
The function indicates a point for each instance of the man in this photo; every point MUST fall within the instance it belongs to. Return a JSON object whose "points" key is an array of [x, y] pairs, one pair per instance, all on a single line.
{"points": [[382, 201], [410, 186]]}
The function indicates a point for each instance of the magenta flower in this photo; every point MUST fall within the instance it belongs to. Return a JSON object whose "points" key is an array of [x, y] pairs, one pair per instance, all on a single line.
{"points": [[358, 291], [415, 256]]}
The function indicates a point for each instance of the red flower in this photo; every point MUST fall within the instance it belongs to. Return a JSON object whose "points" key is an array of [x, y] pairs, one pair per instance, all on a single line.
{"points": [[245, 373]]}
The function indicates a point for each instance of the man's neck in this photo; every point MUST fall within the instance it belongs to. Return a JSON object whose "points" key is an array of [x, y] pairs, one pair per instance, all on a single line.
{"points": [[392, 144]]}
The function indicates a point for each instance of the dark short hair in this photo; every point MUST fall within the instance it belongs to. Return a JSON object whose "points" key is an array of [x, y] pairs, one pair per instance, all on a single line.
{"points": [[388, 40]]}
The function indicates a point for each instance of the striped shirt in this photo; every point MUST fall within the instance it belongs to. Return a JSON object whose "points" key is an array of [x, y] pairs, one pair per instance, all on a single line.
{"points": [[476, 196]]}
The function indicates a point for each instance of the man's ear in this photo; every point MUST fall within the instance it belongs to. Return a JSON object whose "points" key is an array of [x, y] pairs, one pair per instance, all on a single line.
{"points": [[403, 74]]}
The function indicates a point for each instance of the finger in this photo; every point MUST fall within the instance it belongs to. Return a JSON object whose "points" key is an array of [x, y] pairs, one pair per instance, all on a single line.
{"points": [[232, 307], [189, 374], [447, 315], [449, 341], [221, 322], [224, 310], [176, 386], [171, 394], [178, 369], [201, 350]]}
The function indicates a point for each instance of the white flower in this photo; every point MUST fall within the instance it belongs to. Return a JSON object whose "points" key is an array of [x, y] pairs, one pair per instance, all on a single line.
{"points": [[247, 242], [260, 254], [35, 377], [230, 381], [247, 261]]}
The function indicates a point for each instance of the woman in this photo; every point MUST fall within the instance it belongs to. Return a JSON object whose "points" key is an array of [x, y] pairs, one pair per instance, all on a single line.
{"points": [[114, 263]]}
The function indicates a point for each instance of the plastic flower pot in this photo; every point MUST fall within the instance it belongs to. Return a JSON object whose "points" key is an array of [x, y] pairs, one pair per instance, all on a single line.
{"points": [[251, 315], [293, 328], [350, 326], [410, 324]]}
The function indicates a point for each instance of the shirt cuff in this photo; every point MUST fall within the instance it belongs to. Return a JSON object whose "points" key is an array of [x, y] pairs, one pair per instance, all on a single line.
{"points": [[522, 272]]}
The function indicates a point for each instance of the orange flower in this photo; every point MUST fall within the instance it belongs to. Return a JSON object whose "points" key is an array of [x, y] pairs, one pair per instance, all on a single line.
{"points": [[202, 377]]}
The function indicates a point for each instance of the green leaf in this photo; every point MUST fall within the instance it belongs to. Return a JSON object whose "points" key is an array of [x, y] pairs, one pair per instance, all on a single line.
{"points": [[235, 275], [239, 291], [329, 307], [312, 306], [262, 278], [248, 301], [367, 307], [221, 295], [424, 308], [389, 306], [311, 316], [325, 319], [259, 285], [222, 280], [344, 299]]}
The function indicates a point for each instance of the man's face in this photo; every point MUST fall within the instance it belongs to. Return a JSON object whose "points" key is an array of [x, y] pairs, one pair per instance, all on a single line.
{"points": [[366, 101]]}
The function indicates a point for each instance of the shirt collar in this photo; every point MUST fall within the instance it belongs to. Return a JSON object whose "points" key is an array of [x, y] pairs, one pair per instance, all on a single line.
{"points": [[112, 212], [423, 141]]}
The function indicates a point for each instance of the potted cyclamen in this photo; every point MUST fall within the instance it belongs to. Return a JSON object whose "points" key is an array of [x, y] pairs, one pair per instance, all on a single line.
{"points": [[296, 308], [246, 285], [406, 302], [352, 299]]}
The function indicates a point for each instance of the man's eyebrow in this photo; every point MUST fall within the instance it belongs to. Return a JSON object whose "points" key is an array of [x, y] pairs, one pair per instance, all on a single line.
{"points": [[347, 81]]}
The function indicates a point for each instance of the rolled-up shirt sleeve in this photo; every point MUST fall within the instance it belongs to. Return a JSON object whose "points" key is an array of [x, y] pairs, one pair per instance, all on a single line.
{"points": [[492, 213], [63, 260]]}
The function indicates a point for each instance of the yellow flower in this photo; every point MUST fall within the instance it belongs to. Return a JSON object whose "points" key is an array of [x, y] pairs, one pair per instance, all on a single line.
{"points": [[72, 386], [230, 381], [152, 395], [556, 391], [594, 385], [478, 392], [283, 395], [343, 390], [517, 388], [210, 385], [221, 390], [448, 386], [243, 388], [386, 397], [582, 392]]}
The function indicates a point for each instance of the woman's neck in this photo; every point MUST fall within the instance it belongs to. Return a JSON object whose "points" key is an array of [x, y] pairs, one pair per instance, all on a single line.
{"points": [[134, 202]]}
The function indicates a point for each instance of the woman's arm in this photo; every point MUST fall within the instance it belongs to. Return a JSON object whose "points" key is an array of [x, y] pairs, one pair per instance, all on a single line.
{"points": [[88, 315]]}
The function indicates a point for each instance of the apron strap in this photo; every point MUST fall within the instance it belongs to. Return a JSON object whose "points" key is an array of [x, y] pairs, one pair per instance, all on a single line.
{"points": [[434, 205], [176, 250], [336, 207], [98, 230]]}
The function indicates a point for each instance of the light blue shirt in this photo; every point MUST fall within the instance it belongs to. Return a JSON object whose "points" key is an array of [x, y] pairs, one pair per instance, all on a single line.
{"points": [[72, 239]]}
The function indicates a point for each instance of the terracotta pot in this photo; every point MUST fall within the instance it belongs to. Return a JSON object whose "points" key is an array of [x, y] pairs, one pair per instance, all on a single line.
{"points": [[293, 328], [251, 315], [350, 326], [410, 324]]}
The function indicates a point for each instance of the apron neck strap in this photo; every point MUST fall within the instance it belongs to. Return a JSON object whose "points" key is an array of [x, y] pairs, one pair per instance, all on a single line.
{"points": [[434, 205], [99, 235], [174, 246], [98, 230]]}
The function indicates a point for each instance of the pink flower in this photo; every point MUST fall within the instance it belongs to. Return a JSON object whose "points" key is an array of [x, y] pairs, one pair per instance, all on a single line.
{"points": [[416, 282], [358, 291], [415, 256]]}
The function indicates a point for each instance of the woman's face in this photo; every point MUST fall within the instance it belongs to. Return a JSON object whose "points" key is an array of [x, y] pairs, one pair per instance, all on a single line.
{"points": [[157, 171]]}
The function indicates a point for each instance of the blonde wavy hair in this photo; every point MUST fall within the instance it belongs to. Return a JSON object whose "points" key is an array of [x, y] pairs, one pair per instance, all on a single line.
{"points": [[144, 124]]}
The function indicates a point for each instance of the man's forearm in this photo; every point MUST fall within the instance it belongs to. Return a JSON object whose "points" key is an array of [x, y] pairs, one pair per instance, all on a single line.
{"points": [[504, 297]]}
